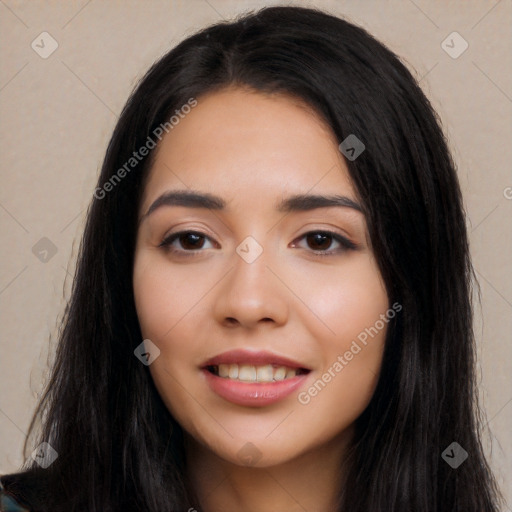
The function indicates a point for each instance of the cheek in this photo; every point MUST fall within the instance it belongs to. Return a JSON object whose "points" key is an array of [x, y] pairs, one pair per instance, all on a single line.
{"points": [[349, 300], [170, 308], [162, 300], [162, 297], [351, 339]]}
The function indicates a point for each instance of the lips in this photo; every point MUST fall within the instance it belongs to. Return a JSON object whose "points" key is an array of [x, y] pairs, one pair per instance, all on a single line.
{"points": [[259, 358], [253, 378]]}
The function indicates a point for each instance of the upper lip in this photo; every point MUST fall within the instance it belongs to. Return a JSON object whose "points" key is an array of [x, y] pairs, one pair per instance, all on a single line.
{"points": [[243, 356]]}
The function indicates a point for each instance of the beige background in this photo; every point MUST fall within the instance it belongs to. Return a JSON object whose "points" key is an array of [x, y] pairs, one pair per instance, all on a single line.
{"points": [[57, 115]]}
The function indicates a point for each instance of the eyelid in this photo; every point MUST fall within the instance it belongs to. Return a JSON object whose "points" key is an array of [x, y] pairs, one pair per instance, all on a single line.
{"points": [[344, 241]]}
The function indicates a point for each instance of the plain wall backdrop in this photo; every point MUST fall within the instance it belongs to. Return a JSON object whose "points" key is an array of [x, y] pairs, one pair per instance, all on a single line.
{"points": [[66, 70]]}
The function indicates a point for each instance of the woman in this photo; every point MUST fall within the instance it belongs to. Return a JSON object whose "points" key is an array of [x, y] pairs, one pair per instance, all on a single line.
{"points": [[271, 309]]}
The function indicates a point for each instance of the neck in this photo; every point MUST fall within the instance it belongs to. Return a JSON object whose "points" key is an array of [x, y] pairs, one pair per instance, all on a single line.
{"points": [[311, 481]]}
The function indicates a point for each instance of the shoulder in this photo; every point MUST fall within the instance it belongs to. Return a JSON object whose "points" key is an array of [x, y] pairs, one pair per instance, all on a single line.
{"points": [[15, 492], [8, 501]]}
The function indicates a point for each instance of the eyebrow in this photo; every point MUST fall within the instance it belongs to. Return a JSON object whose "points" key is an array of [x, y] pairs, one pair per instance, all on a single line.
{"points": [[295, 203]]}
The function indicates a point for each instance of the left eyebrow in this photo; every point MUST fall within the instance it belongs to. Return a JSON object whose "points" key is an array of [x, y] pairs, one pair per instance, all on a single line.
{"points": [[306, 202], [295, 203]]}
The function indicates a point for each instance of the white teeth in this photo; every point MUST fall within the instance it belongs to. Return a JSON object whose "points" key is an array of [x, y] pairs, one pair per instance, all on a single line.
{"points": [[290, 372], [251, 373], [233, 371], [223, 370], [265, 373], [280, 373], [247, 373]]}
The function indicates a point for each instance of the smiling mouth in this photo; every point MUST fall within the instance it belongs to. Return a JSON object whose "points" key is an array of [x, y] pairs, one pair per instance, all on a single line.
{"points": [[252, 373]]}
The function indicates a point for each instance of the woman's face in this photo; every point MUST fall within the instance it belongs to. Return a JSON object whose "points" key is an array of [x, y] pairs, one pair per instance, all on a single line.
{"points": [[253, 289]]}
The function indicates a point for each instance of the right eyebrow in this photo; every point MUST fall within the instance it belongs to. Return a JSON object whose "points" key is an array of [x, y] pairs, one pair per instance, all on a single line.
{"points": [[188, 199]]}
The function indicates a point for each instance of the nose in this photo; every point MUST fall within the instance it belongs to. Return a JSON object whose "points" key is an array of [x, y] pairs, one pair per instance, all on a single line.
{"points": [[251, 294]]}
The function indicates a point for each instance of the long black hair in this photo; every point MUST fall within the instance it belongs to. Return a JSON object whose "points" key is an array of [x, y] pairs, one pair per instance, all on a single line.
{"points": [[118, 446]]}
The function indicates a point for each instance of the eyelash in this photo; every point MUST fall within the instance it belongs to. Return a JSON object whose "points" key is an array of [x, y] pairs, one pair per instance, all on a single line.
{"points": [[344, 242]]}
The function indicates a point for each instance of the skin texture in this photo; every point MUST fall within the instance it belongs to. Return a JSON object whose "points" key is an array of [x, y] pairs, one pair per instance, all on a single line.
{"points": [[253, 150]]}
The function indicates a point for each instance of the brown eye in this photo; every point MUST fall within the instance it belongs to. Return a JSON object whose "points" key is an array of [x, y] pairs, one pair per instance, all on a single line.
{"points": [[185, 242], [191, 240], [320, 241]]}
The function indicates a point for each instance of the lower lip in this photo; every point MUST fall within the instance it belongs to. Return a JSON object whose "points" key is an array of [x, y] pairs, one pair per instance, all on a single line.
{"points": [[255, 394]]}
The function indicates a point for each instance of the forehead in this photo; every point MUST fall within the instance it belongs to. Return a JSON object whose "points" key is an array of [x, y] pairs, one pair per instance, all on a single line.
{"points": [[241, 143]]}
